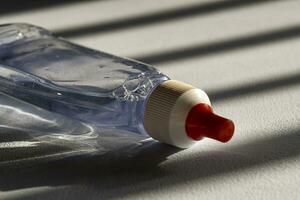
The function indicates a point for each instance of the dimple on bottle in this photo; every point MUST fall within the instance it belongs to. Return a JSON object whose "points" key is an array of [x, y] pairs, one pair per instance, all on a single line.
{"points": [[104, 90]]}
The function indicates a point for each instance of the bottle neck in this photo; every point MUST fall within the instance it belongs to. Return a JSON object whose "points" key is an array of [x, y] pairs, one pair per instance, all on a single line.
{"points": [[156, 81]]}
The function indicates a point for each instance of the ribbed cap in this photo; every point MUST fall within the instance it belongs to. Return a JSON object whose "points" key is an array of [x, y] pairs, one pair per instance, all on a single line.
{"points": [[179, 114]]}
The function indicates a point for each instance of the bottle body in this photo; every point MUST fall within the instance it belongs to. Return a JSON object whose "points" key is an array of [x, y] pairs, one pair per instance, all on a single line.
{"points": [[87, 85]]}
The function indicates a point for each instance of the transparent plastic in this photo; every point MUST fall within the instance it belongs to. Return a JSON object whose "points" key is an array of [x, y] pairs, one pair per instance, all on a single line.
{"points": [[61, 84]]}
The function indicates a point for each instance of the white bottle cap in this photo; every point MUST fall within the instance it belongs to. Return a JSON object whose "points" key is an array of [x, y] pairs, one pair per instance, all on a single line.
{"points": [[179, 114]]}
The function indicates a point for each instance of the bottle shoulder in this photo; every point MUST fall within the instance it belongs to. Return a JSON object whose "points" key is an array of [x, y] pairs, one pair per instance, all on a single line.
{"points": [[10, 33]]}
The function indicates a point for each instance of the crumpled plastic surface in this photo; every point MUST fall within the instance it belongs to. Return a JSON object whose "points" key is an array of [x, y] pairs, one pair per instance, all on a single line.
{"points": [[35, 68], [29, 133]]}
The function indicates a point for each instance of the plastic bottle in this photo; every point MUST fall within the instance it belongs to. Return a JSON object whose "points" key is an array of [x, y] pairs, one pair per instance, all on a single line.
{"points": [[102, 89]]}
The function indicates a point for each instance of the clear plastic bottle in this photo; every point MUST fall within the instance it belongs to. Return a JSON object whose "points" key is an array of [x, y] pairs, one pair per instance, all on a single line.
{"points": [[87, 85]]}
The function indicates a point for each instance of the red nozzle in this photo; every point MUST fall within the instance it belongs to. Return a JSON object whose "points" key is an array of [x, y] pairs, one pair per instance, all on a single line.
{"points": [[202, 122]]}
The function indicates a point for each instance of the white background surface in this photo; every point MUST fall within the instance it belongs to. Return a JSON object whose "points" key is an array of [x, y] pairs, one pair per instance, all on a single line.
{"points": [[245, 55]]}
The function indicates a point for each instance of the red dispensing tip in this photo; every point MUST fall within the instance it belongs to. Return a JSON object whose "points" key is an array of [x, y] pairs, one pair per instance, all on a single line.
{"points": [[202, 122]]}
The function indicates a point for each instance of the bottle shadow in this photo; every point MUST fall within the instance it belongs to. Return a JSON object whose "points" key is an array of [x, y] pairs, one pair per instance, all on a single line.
{"points": [[147, 167]]}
